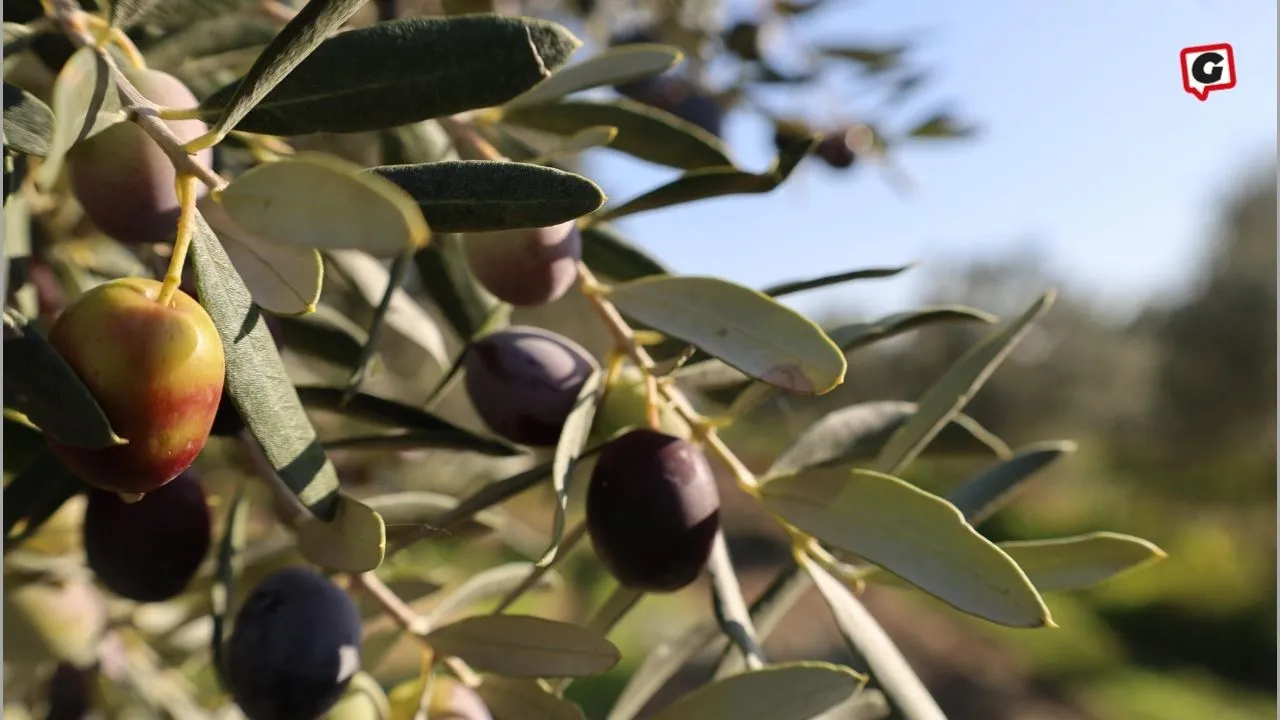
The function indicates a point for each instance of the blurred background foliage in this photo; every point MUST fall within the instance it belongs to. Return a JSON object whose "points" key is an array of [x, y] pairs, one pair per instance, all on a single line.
{"points": [[1173, 411]]}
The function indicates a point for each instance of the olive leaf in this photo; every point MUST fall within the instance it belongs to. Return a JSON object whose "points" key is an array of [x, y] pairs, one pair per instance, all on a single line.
{"points": [[857, 335], [319, 201], [324, 335], [941, 126], [1071, 563], [28, 122], [43, 387], [282, 279], [715, 182], [213, 37], [858, 433], [643, 131], [221, 591], [513, 699], [613, 66], [408, 322], [869, 641], [873, 60], [918, 536], [524, 646], [740, 326], [983, 495], [34, 495], [786, 691], [353, 541], [796, 286], [573, 439], [481, 196], [612, 256], [288, 50], [257, 381], [462, 300], [372, 408], [489, 584], [399, 72], [84, 103], [949, 394], [413, 511]]}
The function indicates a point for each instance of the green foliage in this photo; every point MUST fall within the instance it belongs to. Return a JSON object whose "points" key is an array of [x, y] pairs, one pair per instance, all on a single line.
{"points": [[344, 140]]}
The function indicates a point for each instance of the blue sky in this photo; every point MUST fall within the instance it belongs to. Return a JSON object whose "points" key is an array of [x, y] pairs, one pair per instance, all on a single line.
{"points": [[1090, 149]]}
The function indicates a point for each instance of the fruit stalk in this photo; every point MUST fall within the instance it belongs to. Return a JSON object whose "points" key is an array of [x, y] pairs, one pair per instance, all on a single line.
{"points": [[186, 187]]}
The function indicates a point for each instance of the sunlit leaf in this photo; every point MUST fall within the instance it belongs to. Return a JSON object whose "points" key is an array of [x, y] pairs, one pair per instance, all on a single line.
{"points": [[282, 279], [643, 131], [84, 102], [354, 541], [525, 646], [613, 66], [984, 494], [917, 536], [313, 200], [742, 327], [28, 122]]}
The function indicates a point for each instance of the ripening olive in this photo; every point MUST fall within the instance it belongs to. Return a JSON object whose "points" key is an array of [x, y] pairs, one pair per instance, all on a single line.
{"points": [[294, 648], [148, 550], [527, 267], [652, 510], [524, 381], [124, 180]]}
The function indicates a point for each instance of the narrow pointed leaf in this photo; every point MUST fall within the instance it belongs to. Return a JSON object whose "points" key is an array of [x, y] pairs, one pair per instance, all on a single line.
{"points": [[791, 288], [643, 131], [516, 699], [403, 71], [84, 102], [861, 631], [790, 691], [857, 335], [872, 59], [257, 381], [406, 319], [983, 495], [1069, 563], [319, 201], [940, 126], [596, 136], [573, 438], [859, 432], [713, 182], [917, 536], [741, 326], [524, 646], [485, 585], [946, 397], [41, 385], [414, 511], [282, 279], [612, 256], [481, 196], [613, 66], [298, 40], [34, 495], [465, 304], [28, 122], [372, 408]]}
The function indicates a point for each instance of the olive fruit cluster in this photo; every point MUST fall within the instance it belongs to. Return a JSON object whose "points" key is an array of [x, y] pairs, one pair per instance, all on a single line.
{"points": [[652, 503], [156, 370], [149, 550], [294, 648], [124, 180]]}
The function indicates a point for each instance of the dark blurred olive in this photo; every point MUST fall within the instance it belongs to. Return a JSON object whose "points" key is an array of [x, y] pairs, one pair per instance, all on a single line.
{"points": [[70, 693], [836, 150], [149, 550], [743, 40], [294, 648], [524, 382], [652, 510]]}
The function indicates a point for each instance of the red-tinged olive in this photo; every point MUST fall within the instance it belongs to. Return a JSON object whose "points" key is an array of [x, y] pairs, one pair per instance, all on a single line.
{"points": [[652, 510], [524, 382], [149, 550], [527, 267]]}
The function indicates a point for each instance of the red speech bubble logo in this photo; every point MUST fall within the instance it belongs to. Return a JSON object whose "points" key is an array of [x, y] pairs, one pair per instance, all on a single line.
{"points": [[1208, 68]]}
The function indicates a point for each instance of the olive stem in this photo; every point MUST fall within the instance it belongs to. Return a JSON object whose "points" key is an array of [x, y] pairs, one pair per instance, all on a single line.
{"points": [[625, 338], [186, 187], [412, 623], [72, 20]]}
